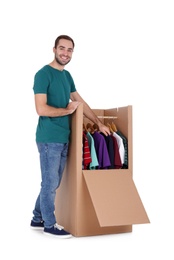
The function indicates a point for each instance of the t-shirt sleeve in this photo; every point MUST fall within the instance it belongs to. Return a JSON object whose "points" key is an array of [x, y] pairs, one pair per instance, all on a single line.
{"points": [[41, 83], [73, 88]]}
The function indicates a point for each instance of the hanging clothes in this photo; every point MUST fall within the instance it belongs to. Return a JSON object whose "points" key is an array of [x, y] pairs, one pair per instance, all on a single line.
{"points": [[94, 163], [111, 152], [86, 152], [120, 146], [117, 160], [101, 150], [125, 143], [104, 152]]}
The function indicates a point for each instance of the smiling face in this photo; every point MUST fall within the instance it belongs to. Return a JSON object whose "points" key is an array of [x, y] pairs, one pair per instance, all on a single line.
{"points": [[63, 52]]}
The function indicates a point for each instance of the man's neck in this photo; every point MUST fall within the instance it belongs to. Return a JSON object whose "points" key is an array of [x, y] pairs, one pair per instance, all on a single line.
{"points": [[57, 66]]}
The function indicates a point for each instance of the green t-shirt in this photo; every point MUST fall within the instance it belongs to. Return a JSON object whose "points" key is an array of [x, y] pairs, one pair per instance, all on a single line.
{"points": [[57, 85]]}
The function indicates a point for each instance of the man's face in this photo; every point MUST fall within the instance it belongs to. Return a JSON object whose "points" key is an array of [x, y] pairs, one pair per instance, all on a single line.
{"points": [[63, 52]]}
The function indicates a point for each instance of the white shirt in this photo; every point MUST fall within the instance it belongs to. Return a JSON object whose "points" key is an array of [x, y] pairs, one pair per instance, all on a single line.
{"points": [[120, 146]]}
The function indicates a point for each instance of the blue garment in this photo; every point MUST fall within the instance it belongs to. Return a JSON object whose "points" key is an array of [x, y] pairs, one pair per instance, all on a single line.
{"points": [[94, 163], [52, 160]]}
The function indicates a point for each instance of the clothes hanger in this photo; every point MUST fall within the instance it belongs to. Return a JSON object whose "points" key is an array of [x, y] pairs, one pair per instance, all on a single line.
{"points": [[84, 128], [110, 128], [90, 128], [113, 126], [96, 128]]}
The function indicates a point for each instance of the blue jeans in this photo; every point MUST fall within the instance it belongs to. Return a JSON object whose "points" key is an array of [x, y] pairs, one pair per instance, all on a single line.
{"points": [[52, 162]]}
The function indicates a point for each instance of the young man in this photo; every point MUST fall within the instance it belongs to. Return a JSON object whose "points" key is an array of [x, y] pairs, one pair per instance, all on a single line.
{"points": [[54, 88]]}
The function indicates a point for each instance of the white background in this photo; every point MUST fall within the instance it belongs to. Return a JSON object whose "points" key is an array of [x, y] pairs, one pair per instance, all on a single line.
{"points": [[124, 55]]}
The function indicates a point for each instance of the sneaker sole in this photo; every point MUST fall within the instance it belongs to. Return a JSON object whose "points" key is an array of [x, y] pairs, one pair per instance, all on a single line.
{"points": [[58, 236], [37, 228]]}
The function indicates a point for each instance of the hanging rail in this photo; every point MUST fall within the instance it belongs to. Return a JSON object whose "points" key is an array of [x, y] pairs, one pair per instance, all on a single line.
{"points": [[111, 117]]}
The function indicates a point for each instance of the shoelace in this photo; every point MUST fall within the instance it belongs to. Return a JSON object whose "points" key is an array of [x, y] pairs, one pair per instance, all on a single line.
{"points": [[58, 226]]}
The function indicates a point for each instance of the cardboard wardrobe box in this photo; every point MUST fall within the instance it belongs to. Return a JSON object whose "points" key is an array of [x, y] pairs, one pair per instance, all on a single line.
{"points": [[98, 202]]}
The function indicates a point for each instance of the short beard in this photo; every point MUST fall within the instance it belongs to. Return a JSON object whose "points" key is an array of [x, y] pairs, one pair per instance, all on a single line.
{"points": [[60, 63]]}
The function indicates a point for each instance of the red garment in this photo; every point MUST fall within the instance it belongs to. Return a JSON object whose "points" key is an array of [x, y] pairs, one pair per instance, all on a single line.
{"points": [[117, 161], [86, 152]]}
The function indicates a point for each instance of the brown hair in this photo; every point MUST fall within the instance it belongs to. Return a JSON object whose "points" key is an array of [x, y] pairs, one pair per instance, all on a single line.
{"points": [[66, 37]]}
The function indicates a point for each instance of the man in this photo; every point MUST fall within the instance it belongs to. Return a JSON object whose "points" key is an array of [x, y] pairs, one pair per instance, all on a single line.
{"points": [[56, 99]]}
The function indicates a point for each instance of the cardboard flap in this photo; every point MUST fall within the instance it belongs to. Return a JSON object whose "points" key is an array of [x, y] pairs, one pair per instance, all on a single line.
{"points": [[115, 198]]}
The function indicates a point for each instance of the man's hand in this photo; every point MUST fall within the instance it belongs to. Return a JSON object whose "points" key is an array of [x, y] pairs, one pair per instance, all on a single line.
{"points": [[72, 106], [104, 129]]}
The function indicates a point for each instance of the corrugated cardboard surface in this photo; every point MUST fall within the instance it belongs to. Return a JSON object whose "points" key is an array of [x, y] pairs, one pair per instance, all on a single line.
{"points": [[115, 198], [94, 202]]}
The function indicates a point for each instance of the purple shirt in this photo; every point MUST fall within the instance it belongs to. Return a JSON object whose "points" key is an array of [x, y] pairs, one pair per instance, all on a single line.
{"points": [[101, 151]]}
